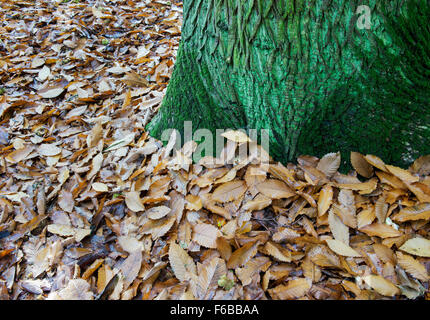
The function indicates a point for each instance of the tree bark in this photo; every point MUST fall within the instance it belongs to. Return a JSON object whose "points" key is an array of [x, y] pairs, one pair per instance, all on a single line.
{"points": [[306, 71]]}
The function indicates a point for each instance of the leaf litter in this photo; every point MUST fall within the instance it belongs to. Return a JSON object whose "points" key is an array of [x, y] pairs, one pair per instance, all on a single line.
{"points": [[93, 208]]}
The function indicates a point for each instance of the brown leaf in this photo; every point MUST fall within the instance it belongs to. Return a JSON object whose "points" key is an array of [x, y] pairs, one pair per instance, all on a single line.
{"points": [[242, 255], [251, 268], [275, 189], [381, 209], [208, 277], [412, 266], [76, 289], [325, 199], [181, 263], [420, 211], [158, 228], [341, 248], [206, 235], [338, 229], [360, 165], [376, 162], [294, 289], [157, 212], [130, 267], [66, 201], [259, 203], [329, 164], [229, 191], [277, 251], [380, 230]]}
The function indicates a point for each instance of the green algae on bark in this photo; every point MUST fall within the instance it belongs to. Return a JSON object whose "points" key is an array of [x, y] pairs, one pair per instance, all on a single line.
{"points": [[307, 72]]}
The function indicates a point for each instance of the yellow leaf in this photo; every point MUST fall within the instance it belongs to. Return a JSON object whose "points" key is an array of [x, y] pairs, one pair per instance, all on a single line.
{"points": [[390, 179], [194, 203], [381, 230], [364, 187], [402, 174], [325, 199], [341, 248], [376, 162], [420, 211], [417, 247], [365, 217], [259, 203], [381, 285], [19, 155]]}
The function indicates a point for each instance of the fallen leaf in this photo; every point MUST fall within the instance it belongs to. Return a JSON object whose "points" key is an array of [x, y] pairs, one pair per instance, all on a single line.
{"points": [[157, 212], [100, 187], [229, 191], [133, 201], [236, 136], [338, 229], [412, 266], [294, 289], [50, 93], [242, 255], [274, 189], [417, 247], [181, 263], [380, 230], [360, 165], [381, 285], [325, 199], [341, 248], [329, 164], [206, 235], [48, 150]]}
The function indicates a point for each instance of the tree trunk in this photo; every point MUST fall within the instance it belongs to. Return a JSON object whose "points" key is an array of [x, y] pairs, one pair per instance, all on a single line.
{"points": [[309, 72]]}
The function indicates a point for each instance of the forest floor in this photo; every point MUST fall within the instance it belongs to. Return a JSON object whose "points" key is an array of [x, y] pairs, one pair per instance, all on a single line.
{"points": [[92, 207]]}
